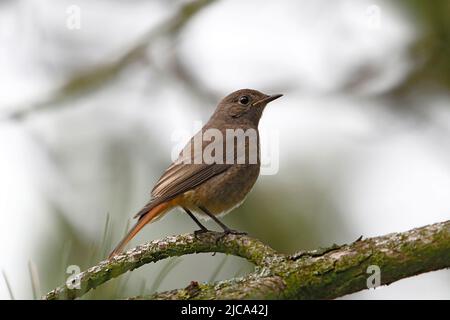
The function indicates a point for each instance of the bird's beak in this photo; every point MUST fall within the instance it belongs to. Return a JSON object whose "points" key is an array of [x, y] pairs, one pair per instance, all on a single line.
{"points": [[267, 99]]}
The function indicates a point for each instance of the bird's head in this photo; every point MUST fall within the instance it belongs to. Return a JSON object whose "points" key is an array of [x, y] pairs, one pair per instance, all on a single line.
{"points": [[244, 106]]}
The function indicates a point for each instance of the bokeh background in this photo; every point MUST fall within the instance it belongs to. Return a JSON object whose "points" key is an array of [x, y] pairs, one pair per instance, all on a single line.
{"points": [[87, 117]]}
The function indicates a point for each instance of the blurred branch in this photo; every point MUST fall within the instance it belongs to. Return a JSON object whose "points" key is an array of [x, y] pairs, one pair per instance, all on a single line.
{"points": [[98, 77], [431, 49], [320, 274]]}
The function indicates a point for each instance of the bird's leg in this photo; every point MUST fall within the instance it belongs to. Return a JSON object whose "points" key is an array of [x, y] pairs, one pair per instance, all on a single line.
{"points": [[202, 229], [226, 230]]}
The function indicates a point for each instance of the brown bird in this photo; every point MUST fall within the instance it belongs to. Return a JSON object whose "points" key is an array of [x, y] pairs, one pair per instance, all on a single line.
{"points": [[211, 181]]}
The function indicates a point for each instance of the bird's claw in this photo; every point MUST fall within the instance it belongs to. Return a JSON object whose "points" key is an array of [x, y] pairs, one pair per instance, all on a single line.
{"points": [[236, 232], [230, 231], [199, 232]]}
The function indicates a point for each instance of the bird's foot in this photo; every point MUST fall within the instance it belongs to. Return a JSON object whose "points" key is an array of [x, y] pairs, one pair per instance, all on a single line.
{"points": [[237, 232], [226, 232], [200, 231]]}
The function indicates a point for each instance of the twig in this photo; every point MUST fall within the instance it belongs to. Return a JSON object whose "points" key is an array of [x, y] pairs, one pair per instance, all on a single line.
{"points": [[8, 286], [98, 77], [34, 277]]}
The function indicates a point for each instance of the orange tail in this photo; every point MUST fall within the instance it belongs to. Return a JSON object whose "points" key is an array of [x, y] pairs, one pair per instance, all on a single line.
{"points": [[144, 219]]}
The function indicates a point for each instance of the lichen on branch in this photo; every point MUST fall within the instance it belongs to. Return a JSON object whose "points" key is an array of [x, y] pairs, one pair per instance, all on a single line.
{"points": [[321, 274]]}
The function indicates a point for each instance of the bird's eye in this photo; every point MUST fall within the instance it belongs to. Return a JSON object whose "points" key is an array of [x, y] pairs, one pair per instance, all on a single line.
{"points": [[244, 100]]}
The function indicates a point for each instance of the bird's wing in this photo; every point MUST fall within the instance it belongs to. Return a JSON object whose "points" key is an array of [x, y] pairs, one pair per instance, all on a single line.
{"points": [[178, 179], [187, 172]]}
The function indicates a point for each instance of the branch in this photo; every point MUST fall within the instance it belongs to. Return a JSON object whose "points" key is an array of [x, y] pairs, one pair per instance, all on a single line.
{"points": [[320, 274], [100, 76]]}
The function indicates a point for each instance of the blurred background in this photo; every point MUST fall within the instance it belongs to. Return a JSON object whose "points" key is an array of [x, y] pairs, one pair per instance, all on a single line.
{"points": [[91, 94]]}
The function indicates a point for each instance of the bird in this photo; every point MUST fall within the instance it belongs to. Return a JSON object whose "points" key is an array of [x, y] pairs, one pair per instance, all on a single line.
{"points": [[206, 183]]}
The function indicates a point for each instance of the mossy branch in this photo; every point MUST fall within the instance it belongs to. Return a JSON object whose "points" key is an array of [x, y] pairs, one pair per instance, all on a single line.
{"points": [[320, 274]]}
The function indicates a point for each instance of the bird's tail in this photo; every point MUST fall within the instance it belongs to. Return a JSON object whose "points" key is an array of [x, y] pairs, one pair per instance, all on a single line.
{"points": [[145, 218]]}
